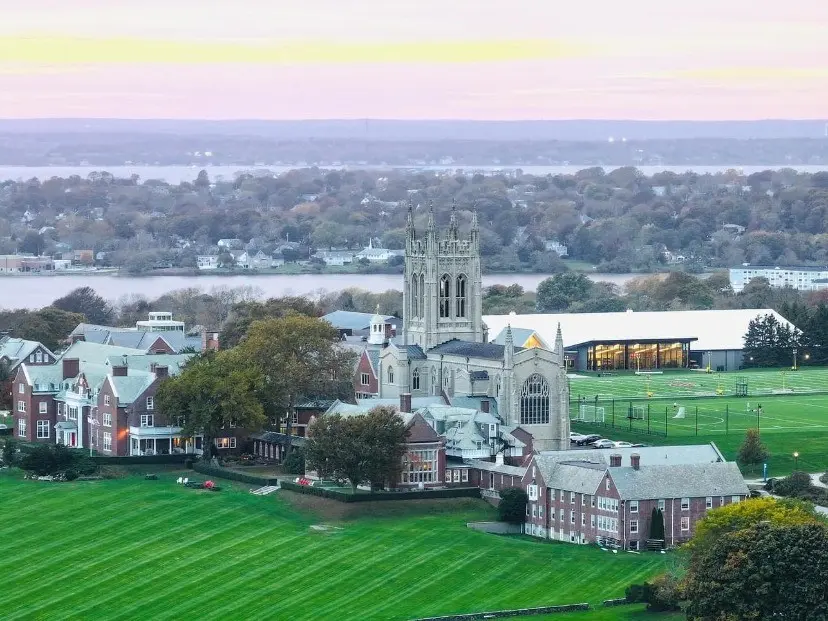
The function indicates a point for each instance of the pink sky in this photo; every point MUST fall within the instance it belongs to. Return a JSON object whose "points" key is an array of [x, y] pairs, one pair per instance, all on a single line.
{"points": [[474, 59]]}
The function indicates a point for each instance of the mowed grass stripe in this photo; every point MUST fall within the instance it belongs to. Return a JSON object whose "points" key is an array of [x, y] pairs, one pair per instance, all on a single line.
{"points": [[170, 553]]}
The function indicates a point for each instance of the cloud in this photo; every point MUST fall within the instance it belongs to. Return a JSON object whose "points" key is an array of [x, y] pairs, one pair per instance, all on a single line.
{"points": [[64, 50]]}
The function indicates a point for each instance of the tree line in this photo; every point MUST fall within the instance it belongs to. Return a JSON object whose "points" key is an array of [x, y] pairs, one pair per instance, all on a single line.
{"points": [[619, 221]]}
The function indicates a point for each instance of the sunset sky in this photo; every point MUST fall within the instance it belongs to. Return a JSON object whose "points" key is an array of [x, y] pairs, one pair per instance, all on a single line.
{"points": [[414, 59]]}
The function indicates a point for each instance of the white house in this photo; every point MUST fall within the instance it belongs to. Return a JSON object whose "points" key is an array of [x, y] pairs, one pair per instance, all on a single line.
{"points": [[377, 255], [557, 247], [799, 278], [335, 257], [207, 262]]}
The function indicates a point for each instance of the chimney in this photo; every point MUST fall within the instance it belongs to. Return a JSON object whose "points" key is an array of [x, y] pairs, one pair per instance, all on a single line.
{"points": [[209, 341], [71, 367], [635, 461], [161, 370], [484, 405], [499, 458], [405, 402], [119, 370], [615, 460], [77, 337]]}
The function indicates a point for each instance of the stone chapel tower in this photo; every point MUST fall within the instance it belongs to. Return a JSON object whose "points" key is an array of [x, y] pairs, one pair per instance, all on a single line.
{"points": [[443, 289]]}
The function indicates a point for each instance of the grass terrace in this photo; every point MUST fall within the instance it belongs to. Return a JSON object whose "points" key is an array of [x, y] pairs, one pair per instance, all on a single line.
{"points": [[129, 548], [789, 422]]}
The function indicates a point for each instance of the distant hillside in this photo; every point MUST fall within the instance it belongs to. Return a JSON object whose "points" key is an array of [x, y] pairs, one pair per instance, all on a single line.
{"points": [[395, 130]]}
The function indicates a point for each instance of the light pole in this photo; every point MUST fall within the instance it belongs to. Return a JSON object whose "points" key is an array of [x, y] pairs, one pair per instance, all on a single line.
{"points": [[794, 354], [796, 460]]}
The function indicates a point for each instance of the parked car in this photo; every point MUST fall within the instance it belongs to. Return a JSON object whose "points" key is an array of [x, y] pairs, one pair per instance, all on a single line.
{"points": [[603, 444], [588, 439], [622, 445], [576, 437]]}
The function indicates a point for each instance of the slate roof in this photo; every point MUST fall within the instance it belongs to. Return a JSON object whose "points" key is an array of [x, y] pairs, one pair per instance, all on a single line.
{"points": [[456, 347], [129, 388], [473, 403], [173, 362], [374, 356], [415, 352], [137, 339], [96, 353], [278, 438], [44, 378], [420, 431], [489, 466], [18, 350], [679, 481], [479, 375]]}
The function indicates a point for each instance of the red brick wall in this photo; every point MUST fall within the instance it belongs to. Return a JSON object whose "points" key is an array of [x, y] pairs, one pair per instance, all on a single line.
{"points": [[364, 366], [112, 410], [160, 346], [32, 403]]}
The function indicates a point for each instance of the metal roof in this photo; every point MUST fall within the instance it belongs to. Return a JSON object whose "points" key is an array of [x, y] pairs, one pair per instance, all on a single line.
{"points": [[713, 329], [456, 347]]}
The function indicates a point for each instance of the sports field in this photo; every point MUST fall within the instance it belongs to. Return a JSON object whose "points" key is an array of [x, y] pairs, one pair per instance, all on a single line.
{"points": [[683, 409], [130, 549]]}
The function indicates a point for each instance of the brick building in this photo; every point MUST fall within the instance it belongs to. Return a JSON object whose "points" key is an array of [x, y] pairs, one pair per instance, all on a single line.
{"points": [[588, 501]]}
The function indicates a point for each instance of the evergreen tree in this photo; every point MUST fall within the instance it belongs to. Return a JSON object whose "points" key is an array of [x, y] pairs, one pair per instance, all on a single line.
{"points": [[657, 525], [752, 451]]}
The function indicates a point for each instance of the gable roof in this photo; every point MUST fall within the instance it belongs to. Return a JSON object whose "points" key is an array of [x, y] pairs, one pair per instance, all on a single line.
{"points": [[519, 336], [420, 431], [679, 481], [582, 477], [129, 388], [18, 350], [651, 455], [97, 353]]}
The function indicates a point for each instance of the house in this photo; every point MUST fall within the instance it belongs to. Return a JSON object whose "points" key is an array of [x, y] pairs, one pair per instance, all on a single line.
{"points": [[14, 352], [83, 257], [230, 244], [583, 500], [556, 247], [157, 334], [335, 257], [207, 262], [376, 255], [100, 397]]}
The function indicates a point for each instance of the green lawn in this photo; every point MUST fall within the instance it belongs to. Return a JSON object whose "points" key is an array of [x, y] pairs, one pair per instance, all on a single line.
{"points": [[789, 422], [617, 613], [131, 548]]}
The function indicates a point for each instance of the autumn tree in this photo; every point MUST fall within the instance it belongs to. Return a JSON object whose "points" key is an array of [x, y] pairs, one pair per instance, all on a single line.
{"points": [[299, 358], [245, 313], [86, 302], [555, 294], [358, 448], [765, 571], [752, 451], [213, 391]]}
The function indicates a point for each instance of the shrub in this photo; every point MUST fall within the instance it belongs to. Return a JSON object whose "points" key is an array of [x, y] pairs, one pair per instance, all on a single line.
{"points": [[188, 464], [793, 485], [638, 593], [9, 452], [295, 462], [665, 594], [512, 506], [40, 460], [70, 475]]}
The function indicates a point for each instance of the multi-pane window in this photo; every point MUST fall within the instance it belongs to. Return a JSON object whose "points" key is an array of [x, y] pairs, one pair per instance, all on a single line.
{"points": [[107, 441], [147, 420], [107, 400], [534, 401], [608, 504], [633, 506], [415, 380], [421, 312], [21, 406], [420, 466], [735, 499], [364, 379], [42, 429], [445, 296], [456, 476], [534, 510], [150, 403], [708, 502], [685, 504], [43, 408], [685, 523], [21, 427], [571, 517], [226, 443], [465, 476], [21, 388], [107, 419], [460, 296], [72, 412], [390, 375], [633, 526]]}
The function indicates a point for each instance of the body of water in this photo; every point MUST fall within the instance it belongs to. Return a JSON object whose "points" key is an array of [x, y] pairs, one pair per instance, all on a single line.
{"points": [[38, 291], [177, 174]]}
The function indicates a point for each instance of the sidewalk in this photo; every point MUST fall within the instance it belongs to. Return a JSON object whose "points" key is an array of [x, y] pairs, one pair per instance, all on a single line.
{"points": [[814, 481]]}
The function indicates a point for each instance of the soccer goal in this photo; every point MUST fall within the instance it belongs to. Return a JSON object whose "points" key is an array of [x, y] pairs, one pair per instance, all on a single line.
{"points": [[637, 412], [591, 414], [681, 413]]}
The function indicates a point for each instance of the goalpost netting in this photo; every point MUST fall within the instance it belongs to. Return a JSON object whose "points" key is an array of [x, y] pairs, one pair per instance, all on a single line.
{"points": [[591, 414], [638, 412]]}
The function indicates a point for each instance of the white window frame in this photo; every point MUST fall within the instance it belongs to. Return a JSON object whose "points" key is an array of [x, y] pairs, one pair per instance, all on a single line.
{"points": [[107, 441], [150, 403], [685, 504], [608, 484], [21, 427], [662, 505], [685, 523], [571, 517], [21, 388], [107, 400], [534, 510], [735, 500], [21, 406], [464, 475], [708, 502], [107, 419], [456, 476], [364, 379], [43, 408], [633, 527], [41, 426], [572, 498], [633, 506], [147, 420]]}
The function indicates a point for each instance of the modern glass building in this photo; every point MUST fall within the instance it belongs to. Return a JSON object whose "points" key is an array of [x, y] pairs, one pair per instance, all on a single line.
{"points": [[638, 355]]}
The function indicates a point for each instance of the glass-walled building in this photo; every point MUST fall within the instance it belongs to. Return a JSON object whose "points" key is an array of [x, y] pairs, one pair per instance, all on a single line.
{"points": [[633, 355]]}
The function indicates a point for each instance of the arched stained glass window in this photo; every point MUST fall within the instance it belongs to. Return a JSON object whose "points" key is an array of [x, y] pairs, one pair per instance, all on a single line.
{"points": [[534, 401]]}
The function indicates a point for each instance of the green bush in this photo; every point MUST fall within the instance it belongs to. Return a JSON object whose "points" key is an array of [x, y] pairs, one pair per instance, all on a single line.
{"points": [[638, 593], [295, 462], [224, 473], [9, 452], [40, 460], [70, 475], [46, 459], [512, 506]]}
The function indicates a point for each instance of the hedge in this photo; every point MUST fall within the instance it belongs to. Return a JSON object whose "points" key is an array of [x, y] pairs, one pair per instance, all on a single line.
{"points": [[223, 473], [343, 496], [518, 612]]}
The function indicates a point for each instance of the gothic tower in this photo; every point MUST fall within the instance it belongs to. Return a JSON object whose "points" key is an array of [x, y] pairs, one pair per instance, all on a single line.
{"points": [[443, 289]]}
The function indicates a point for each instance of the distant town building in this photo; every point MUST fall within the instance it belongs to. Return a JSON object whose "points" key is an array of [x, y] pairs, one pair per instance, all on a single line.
{"points": [[557, 247], [799, 278], [207, 262], [377, 255]]}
